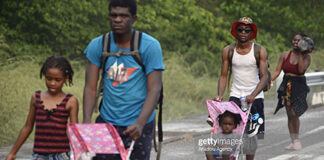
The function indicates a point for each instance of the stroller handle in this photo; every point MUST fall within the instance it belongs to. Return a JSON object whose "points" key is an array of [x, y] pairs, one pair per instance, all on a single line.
{"points": [[130, 149]]}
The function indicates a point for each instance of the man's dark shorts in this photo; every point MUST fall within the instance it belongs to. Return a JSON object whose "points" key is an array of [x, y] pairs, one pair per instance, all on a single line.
{"points": [[250, 144], [142, 147]]}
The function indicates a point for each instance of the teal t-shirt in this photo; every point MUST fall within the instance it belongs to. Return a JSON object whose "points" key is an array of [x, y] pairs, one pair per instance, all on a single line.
{"points": [[125, 84]]}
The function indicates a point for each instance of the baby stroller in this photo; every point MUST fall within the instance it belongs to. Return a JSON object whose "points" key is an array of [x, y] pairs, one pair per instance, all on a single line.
{"points": [[215, 109], [86, 140]]}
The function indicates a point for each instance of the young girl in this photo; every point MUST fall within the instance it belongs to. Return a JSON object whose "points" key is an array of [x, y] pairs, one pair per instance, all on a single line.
{"points": [[50, 110], [227, 140]]}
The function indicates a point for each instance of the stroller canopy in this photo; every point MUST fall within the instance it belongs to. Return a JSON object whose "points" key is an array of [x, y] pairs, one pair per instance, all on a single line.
{"points": [[215, 108]]}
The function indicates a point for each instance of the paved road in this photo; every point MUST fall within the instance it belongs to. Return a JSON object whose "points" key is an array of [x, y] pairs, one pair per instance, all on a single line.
{"points": [[181, 138], [272, 147]]}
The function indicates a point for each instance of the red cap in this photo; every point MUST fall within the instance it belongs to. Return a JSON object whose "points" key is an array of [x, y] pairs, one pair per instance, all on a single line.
{"points": [[245, 20]]}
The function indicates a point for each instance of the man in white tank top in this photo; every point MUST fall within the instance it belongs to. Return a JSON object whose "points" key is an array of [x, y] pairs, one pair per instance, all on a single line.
{"points": [[248, 79]]}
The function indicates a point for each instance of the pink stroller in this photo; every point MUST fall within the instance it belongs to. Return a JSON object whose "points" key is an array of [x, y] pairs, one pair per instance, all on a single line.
{"points": [[88, 139], [216, 108]]}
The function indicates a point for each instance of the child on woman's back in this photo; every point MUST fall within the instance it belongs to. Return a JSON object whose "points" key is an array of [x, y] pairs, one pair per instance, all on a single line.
{"points": [[227, 140], [50, 110]]}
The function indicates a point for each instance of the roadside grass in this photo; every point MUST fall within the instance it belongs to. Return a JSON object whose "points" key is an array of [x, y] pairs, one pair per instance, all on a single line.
{"points": [[184, 93], [317, 60], [18, 81]]}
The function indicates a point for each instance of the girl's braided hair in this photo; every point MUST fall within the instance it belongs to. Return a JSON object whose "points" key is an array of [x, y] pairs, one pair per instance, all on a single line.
{"points": [[60, 63]]}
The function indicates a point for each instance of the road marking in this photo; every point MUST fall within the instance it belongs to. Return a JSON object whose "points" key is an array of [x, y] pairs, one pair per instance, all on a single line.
{"points": [[298, 157], [288, 140], [316, 151], [313, 131], [307, 115], [321, 157], [292, 156]]}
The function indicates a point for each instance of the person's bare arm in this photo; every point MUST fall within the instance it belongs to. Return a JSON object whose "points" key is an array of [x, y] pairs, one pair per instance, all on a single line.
{"points": [[154, 84], [25, 131], [73, 107], [90, 91], [281, 61], [223, 77], [304, 61], [263, 76]]}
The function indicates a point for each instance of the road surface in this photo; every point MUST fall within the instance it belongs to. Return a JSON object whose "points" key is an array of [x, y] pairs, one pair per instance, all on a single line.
{"points": [[182, 136]]}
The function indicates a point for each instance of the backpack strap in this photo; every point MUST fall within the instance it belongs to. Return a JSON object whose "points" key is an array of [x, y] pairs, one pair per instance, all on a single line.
{"points": [[160, 132], [158, 147], [257, 50], [135, 43], [105, 54], [135, 53], [230, 57], [105, 49]]}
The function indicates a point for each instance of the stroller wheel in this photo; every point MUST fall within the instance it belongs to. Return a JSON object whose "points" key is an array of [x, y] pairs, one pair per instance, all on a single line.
{"points": [[210, 121]]}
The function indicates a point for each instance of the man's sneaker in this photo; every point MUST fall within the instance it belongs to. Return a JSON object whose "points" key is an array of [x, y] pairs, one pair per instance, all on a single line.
{"points": [[210, 121], [254, 127]]}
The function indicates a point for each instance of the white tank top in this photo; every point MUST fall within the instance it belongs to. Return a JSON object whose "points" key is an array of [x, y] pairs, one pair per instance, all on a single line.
{"points": [[245, 74]]}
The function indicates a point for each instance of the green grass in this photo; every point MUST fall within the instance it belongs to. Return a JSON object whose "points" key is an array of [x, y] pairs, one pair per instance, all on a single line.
{"points": [[18, 81], [184, 93], [317, 61]]}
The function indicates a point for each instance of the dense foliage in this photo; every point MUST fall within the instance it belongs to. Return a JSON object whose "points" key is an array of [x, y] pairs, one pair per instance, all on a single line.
{"points": [[196, 29], [192, 34], [64, 26]]}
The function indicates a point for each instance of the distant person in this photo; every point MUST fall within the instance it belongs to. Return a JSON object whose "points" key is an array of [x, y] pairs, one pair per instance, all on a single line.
{"points": [[249, 75], [293, 90], [228, 121], [50, 110], [130, 90]]}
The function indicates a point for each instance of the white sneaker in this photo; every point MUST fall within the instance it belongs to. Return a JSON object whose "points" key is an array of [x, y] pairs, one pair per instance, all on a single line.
{"points": [[255, 127]]}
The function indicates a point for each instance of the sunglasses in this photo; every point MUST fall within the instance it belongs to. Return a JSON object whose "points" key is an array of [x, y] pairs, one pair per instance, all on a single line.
{"points": [[247, 30]]}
